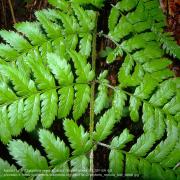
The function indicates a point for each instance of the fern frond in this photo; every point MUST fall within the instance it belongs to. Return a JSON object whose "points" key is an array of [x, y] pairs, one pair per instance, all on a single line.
{"points": [[5, 133], [30, 158], [80, 168], [116, 162], [65, 101], [31, 112], [82, 98], [97, 3], [53, 30], [7, 52], [60, 68], [168, 42], [122, 140], [118, 102], [15, 40], [83, 69], [5, 167], [102, 99], [105, 125], [56, 150], [78, 138], [63, 4], [163, 149], [48, 107], [32, 31]]}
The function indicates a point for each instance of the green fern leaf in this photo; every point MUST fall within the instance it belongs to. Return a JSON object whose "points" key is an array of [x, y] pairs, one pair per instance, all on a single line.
{"points": [[16, 117], [118, 102], [5, 133], [116, 162], [85, 44], [56, 150], [5, 167], [31, 31], [80, 168], [173, 158], [105, 125], [7, 52], [82, 98], [164, 148], [48, 107], [122, 140], [31, 112], [85, 18], [126, 5], [77, 137], [62, 4], [22, 84], [8, 96], [43, 77], [61, 69], [159, 98], [15, 40], [83, 70], [53, 30], [65, 101], [30, 158], [113, 18], [102, 99]]}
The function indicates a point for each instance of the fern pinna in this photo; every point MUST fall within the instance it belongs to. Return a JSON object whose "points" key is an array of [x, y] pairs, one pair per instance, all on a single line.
{"points": [[48, 71]]}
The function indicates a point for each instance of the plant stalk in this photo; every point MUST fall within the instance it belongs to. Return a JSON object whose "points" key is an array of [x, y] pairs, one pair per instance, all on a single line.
{"points": [[12, 11], [91, 123]]}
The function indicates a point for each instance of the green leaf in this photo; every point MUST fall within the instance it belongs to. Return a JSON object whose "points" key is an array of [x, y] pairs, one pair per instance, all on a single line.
{"points": [[15, 40], [113, 18], [32, 31], [78, 139], [166, 146], [102, 99], [85, 44], [65, 101], [85, 19], [80, 167], [15, 115], [5, 133], [83, 69], [22, 84], [7, 52], [116, 162], [61, 4], [43, 77], [31, 112], [48, 107], [118, 102], [53, 30], [6, 94], [143, 144], [60, 68], [105, 125], [81, 101], [56, 150], [26, 156], [6, 168], [113, 55], [160, 98], [122, 140]]}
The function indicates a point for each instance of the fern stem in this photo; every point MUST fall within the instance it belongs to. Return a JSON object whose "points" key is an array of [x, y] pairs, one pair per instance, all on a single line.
{"points": [[12, 11], [91, 123]]}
